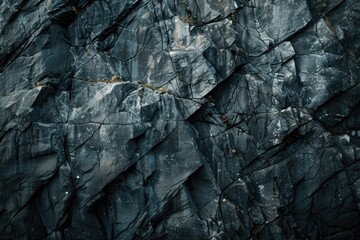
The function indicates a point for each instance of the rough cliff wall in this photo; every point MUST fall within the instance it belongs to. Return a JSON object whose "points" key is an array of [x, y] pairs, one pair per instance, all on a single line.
{"points": [[179, 119]]}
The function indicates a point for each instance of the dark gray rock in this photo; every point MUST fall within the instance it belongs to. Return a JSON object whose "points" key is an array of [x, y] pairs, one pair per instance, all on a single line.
{"points": [[195, 119]]}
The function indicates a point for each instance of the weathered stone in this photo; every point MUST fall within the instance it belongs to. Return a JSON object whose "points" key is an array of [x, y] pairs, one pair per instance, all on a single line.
{"points": [[179, 119]]}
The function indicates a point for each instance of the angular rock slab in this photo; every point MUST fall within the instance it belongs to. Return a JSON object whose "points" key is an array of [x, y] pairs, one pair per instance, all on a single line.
{"points": [[179, 119]]}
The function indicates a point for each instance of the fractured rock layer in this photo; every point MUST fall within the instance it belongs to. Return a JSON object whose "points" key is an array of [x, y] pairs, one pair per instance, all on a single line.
{"points": [[180, 119]]}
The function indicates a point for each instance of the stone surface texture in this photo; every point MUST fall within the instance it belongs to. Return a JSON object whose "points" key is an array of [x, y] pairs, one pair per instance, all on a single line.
{"points": [[180, 119]]}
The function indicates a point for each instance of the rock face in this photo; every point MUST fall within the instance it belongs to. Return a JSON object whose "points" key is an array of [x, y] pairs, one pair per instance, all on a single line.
{"points": [[180, 119]]}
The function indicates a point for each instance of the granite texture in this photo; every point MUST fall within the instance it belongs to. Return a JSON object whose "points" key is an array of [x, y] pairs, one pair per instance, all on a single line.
{"points": [[180, 119]]}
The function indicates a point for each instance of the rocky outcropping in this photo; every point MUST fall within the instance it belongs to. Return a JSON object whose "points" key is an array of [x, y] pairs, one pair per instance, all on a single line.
{"points": [[183, 119]]}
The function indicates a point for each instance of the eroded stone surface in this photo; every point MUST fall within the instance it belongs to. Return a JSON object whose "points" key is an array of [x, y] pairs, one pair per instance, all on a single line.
{"points": [[192, 119]]}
